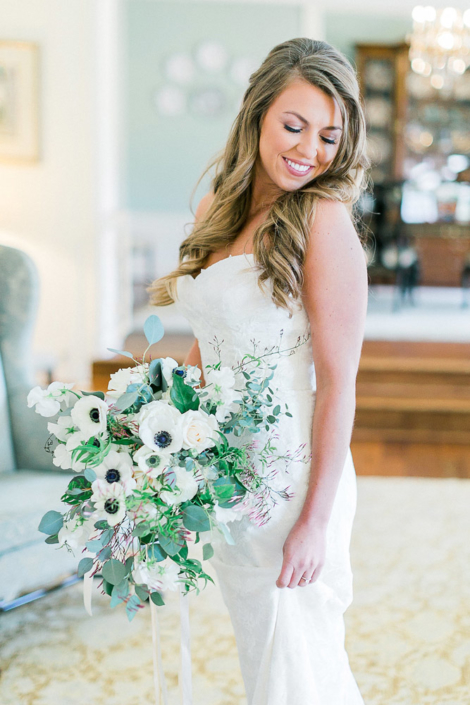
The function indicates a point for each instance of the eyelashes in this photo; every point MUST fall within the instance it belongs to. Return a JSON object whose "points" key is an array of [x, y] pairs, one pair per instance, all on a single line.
{"points": [[325, 139]]}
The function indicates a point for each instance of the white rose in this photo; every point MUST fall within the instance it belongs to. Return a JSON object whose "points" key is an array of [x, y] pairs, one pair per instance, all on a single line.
{"points": [[160, 427], [199, 430], [225, 514], [186, 487], [193, 374], [120, 380]]}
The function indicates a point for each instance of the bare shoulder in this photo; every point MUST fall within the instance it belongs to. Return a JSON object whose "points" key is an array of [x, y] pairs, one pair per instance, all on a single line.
{"points": [[333, 240], [204, 205]]}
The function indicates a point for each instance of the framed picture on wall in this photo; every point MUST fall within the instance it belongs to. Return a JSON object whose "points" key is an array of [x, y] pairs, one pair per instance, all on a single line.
{"points": [[19, 101]]}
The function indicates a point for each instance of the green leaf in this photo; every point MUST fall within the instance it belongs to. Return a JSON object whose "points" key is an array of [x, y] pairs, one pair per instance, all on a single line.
{"points": [[132, 607], [195, 518], [142, 593], [51, 523], [288, 414], [107, 587], [106, 536], [276, 410], [157, 599], [52, 539], [182, 394], [90, 474], [114, 571], [153, 329], [93, 394], [125, 401], [169, 545], [141, 529], [84, 566], [272, 419], [121, 352], [207, 551], [94, 546], [156, 552], [101, 524], [104, 554], [119, 593]]}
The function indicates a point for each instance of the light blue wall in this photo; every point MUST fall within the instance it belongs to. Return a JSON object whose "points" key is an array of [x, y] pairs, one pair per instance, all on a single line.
{"points": [[346, 29], [166, 155]]}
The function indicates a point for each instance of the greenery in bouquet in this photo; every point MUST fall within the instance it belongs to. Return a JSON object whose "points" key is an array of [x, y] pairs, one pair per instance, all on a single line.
{"points": [[161, 462]]}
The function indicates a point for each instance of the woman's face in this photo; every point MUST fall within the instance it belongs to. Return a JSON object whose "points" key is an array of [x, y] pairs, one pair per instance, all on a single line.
{"points": [[302, 125]]}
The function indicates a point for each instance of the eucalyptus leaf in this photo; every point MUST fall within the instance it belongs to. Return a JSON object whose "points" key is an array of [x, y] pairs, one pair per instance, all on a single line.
{"points": [[153, 329], [171, 547], [51, 523], [125, 401], [157, 599], [90, 474], [142, 593], [121, 352], [93, 394], [85, 565], [207, 551], [114, 571], [195, 518], [104, 554], [52, 539], [94, 546], [132, 607], [106, 536], [156, 552]]}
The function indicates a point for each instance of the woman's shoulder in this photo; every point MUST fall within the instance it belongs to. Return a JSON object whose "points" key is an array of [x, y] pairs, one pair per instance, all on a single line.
{"points": [[332, 232], [204, 205]]}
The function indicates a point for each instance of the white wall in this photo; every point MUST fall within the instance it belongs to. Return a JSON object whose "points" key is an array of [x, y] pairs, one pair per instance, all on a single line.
{"points": [[49, 208]]}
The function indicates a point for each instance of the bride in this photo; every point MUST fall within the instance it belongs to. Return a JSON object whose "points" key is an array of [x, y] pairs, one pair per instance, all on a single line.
{"points": [[274, 253]]}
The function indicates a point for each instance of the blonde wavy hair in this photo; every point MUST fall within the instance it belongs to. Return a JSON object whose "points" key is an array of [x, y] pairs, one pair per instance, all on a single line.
{"points": [[280, 242]]}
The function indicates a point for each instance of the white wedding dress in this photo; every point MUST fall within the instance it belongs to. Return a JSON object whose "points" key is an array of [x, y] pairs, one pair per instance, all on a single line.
{"points": [[290, 641]]}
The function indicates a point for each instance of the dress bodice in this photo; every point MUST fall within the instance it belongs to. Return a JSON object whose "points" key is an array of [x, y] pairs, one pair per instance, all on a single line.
{"points": [[226, 307]]}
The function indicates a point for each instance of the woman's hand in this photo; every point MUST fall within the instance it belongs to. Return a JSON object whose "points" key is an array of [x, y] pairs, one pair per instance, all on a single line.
{"points": [[304, 553]]}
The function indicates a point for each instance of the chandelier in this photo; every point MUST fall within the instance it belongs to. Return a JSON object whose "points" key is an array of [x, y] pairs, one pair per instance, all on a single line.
{"points": [[440, 44]]}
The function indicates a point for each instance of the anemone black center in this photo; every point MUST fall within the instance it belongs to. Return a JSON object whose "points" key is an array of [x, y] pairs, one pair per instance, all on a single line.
{"points": [[162, 439], [95, 415], [153, 461], [113, 475], [111, 506], [96, 442]]}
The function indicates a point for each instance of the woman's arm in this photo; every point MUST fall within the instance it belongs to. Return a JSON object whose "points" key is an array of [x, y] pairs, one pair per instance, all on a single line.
{"points": [[335, 298]]}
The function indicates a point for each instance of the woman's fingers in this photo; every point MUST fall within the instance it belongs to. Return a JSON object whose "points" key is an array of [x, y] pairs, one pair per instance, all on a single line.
{"points": [[285, 574]]}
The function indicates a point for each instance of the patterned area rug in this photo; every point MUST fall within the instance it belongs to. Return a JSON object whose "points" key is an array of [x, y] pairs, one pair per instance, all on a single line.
{"points": [[407, 631]]}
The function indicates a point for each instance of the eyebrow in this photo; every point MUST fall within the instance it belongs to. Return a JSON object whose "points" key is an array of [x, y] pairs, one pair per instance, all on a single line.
{"points": [[330, 127]]}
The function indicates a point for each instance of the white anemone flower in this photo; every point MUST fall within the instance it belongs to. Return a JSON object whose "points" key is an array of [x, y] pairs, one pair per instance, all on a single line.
{"points": [[150, 462], [63, 429], [186, 487], [120, 380], [168, 365], [116, 467], [110, 501], [50, 401], [74, 534], [90, 415], [160, 427], [160, 576], [199, 430]]}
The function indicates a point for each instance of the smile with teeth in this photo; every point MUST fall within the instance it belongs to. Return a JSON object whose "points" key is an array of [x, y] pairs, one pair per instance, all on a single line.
{"points": [[300, 168]]}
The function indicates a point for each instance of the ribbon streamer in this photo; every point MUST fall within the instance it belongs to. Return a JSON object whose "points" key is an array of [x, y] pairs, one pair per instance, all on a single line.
{"points": [[158, 672], [185, 679]]}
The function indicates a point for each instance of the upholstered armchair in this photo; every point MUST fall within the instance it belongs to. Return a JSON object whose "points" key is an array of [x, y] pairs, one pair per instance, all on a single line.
{"points": [[30, 484]]}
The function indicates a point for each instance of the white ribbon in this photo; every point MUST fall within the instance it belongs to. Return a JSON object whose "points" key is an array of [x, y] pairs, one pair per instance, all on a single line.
{"points": [[158, 672], [185, 676]]}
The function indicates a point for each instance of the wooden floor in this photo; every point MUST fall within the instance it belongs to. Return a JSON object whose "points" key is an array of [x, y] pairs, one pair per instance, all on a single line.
{"points": [[412, 411]]}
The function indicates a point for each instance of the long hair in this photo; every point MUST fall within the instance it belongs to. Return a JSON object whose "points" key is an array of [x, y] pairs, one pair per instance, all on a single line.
{"points": [[280, 242]]}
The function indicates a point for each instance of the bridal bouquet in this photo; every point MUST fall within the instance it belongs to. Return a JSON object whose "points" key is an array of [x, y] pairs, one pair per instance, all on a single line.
{"points": [[160, 462]]}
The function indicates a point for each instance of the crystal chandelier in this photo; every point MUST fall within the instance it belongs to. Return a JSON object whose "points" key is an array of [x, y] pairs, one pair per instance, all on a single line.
{"points": [[440, 44]]}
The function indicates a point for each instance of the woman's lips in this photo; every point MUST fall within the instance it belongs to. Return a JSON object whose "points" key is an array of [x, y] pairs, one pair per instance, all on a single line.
{"points": [[294, 172]]}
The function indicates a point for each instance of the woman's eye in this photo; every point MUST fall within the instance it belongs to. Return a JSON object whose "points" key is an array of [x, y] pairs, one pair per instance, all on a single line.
{"points": [[291, 129], [328, 141]]}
